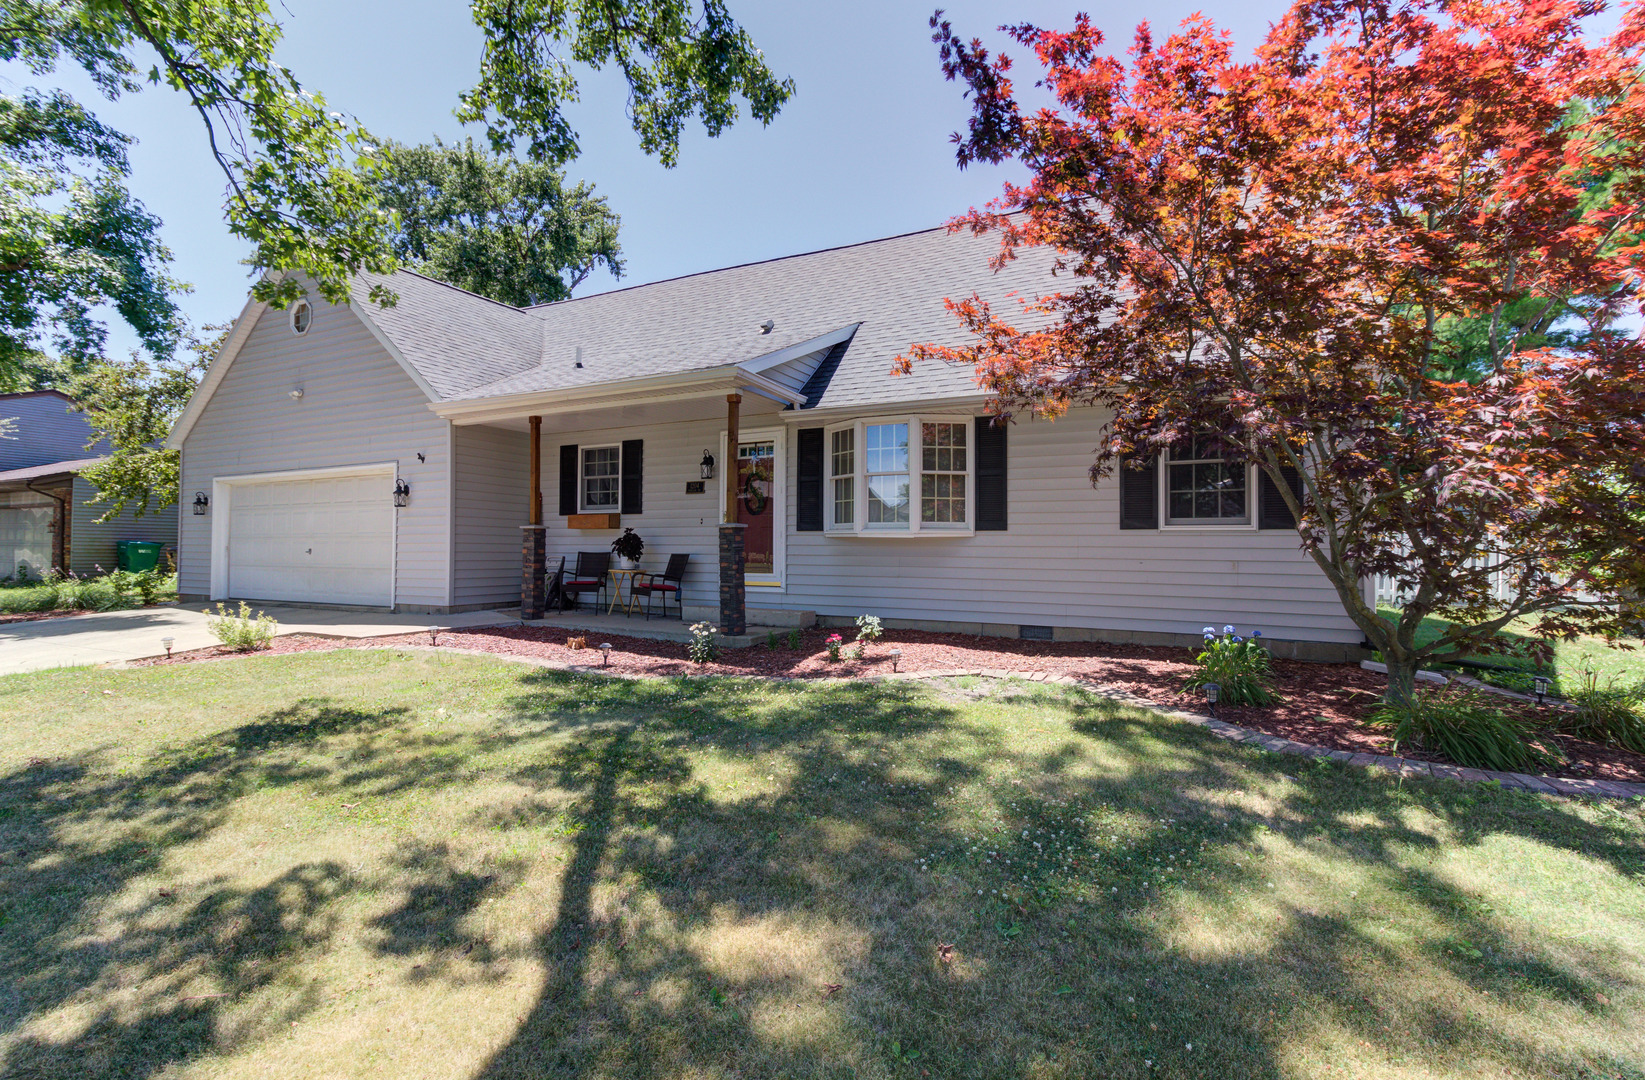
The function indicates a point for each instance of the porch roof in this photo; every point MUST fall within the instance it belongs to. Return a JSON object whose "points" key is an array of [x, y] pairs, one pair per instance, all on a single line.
{"points": [[50, 469]]}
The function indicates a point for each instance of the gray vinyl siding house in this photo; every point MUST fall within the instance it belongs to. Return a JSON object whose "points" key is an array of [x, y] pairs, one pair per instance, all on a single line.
{"points": [[296, 436], [48, 511]]}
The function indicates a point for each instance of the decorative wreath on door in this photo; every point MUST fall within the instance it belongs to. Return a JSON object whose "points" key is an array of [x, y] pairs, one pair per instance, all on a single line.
{"points": [[753, 497]]}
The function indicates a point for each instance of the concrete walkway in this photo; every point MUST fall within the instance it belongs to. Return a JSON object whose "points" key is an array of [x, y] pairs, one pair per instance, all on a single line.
{"points": [[105, 637]]}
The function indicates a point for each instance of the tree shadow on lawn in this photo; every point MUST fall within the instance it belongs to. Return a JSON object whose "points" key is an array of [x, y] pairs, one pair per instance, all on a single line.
{"points": [[761, 880], [1057, 978]]}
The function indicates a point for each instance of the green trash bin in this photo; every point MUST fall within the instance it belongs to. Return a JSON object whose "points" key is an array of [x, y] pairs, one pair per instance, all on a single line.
{"points": [[137, 555]]}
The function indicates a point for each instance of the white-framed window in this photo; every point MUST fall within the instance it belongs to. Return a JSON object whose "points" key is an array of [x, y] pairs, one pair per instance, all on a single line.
{"points": [[901, 476], [1203, 487], [302, 315], [601, 478], [842, 482]]}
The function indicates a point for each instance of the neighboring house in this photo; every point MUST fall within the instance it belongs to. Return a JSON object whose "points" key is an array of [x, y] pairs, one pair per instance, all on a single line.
{"points": [[48, 511], [856, 490]]}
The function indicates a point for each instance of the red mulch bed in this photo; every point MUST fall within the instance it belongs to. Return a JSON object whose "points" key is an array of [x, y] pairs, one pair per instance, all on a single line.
{"points": [[36, 616], [1324, 704]]}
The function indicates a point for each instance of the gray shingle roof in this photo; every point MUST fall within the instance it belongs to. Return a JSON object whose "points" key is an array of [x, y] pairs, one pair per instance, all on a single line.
{"points": [[467, 347]]}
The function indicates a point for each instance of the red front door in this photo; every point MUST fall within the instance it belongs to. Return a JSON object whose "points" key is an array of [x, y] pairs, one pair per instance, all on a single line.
{"points": [[756, 504]]}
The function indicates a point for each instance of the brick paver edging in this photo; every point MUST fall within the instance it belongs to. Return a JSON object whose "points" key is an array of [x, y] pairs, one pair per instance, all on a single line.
{"points": [[1542, 785]]}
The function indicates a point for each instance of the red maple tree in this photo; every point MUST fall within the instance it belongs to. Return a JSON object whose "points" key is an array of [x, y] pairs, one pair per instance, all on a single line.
{"points": [[1271, 252]]}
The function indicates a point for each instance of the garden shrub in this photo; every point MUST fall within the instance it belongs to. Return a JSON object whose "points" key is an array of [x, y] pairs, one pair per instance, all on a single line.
{"points": [[1467, 728], [833, 645], [869, 628], [1609, 713], [1239, 666], [703, 648], [242, 631], [108, 592]]}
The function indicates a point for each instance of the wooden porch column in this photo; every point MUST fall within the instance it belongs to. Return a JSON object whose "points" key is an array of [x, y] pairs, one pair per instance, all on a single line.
{"points": [[536, 511], [733, 548], [533, 547]]}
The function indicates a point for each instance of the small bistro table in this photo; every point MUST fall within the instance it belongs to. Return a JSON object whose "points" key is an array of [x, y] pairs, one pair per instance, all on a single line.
{"points": [[620, 574]]}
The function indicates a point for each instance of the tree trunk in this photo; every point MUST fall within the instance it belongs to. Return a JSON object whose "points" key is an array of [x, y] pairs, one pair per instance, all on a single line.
{"points": [[1402, 678]]}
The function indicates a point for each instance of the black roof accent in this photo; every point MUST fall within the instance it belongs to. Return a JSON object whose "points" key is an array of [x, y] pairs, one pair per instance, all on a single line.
{"points": [[817, 385]]}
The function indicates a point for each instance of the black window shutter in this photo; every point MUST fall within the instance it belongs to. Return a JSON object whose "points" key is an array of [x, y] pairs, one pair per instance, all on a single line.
{"points": [[633, 466], [990, 475], [1139, 496], [808, 481], [1272, 513], [568, 480]]}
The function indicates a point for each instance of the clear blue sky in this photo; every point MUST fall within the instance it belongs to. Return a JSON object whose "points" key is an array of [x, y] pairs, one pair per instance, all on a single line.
{"points": [[861, 151]]}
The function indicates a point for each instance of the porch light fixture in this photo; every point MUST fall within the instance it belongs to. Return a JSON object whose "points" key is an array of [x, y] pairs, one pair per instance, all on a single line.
{"points": [[200, 504], [896, 658], [402, 493], [707, 466], [605, 654], [168, 642], [1539, 685], [1212, 692]]}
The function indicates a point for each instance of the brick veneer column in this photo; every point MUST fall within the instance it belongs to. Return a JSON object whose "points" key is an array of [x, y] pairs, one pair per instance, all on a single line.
{"points": [[533, 591], [733, 591]]}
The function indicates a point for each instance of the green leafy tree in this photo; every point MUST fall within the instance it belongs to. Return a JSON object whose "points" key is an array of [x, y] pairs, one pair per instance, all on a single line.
{"points": [[492, 224], [680, 60], [299, 187], [72, 239], [133, 405]]}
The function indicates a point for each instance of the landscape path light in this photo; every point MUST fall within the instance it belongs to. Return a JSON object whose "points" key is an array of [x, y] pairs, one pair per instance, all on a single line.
{"points": [[168, 642], [896, 658], [605, 654], [1539, 684], [1212, 692]]}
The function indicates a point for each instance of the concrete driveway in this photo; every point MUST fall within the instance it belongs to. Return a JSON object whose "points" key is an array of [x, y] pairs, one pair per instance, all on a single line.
{"points": [[99, 638]]}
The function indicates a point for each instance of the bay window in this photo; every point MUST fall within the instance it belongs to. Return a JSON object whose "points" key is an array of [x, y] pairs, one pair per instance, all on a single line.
{"points": [[911, 475]]}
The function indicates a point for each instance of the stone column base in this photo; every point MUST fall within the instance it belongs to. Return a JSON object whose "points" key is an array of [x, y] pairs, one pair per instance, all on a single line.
{"points": [[733, 589], [533, 590]]}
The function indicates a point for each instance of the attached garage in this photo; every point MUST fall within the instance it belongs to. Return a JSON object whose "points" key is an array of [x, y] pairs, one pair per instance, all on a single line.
{"points": [[324, 536], [26, 533]]}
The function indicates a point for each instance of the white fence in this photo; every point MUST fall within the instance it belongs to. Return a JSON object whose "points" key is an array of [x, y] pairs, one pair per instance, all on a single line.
{"points": [[1501, 588]]}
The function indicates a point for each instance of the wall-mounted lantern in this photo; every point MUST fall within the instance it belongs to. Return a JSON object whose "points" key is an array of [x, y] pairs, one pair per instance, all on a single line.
{"points": [[708, 465], [200, 504], [402, 493]]}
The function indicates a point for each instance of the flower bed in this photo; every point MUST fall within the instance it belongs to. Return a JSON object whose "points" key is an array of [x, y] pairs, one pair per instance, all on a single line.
{"points": [[1321, 704]]}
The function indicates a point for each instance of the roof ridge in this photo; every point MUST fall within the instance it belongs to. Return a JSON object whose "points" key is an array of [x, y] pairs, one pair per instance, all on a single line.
{"points": [[737, 266], [460, 289]]}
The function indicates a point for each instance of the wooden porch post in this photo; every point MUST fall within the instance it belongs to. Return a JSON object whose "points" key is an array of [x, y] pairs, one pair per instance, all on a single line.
{"points": [[536, 511], [533, 547], [733, 548]]}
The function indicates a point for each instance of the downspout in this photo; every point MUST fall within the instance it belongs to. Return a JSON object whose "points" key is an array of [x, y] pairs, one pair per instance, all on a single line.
{"points": [[60, 539]]}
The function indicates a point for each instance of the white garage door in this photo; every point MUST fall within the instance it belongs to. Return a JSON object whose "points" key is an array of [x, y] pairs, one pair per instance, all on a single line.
{"points": [[327, 540]]}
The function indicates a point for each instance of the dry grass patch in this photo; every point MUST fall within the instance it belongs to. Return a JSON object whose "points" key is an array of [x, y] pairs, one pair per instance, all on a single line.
{"points": [[370, 864]]}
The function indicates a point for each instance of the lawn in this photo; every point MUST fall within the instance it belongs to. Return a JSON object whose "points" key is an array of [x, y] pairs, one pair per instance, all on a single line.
{"points": [[1622, 664], [380, 864]]}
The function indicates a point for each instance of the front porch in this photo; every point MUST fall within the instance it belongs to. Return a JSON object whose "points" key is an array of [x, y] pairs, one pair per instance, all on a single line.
{"points": [[671, 457]]}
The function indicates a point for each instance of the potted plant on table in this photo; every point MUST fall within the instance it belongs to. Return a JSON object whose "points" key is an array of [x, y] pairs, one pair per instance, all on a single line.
{"points": [[628, 548]]}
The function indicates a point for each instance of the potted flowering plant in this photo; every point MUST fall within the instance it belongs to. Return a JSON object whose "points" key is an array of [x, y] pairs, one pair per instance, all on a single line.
{"points": [[628, 548]]}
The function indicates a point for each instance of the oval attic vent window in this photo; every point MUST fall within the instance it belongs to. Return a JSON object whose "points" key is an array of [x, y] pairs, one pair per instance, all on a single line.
{"points": [[301, 316]]}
